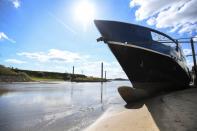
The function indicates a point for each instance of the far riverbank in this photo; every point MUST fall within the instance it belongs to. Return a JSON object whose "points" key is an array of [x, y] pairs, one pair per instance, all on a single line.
{"points": [[17, 75]]}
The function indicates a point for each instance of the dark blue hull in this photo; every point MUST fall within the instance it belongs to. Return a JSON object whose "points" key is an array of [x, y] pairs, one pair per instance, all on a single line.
{"points": [[148, 64]]}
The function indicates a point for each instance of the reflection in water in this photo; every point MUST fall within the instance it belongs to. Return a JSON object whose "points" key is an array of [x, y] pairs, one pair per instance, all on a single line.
{"points": [[3, 92], [101, 92], [71, 91], [57, 106]]}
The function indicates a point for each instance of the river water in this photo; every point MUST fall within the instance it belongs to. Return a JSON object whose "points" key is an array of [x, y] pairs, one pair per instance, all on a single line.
{"points": [[55, 106]]}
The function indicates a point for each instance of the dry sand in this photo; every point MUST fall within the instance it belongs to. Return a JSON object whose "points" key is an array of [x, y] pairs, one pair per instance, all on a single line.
{"points": [[172, 112]]}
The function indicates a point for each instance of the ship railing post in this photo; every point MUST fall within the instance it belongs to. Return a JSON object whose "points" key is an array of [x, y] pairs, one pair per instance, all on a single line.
{"points": [[194, 61]]}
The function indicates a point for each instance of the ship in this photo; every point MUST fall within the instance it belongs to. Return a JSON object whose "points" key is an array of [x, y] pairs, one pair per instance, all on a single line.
{"points": [[152, 60]]}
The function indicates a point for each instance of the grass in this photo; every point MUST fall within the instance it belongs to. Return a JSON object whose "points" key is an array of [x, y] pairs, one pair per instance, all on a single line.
{"points": [[6, 71], [88, 79], [45, 79], [9, 75], [28, 75]]}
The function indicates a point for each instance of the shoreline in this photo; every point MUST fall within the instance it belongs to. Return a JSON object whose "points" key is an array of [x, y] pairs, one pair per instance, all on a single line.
{"points": [[50, 81], [168, 112]]}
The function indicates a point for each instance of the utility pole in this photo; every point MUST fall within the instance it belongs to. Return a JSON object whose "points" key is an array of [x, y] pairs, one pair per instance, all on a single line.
{"points": [[102, 71], [105, 75], [73, 73], [73, 70]]}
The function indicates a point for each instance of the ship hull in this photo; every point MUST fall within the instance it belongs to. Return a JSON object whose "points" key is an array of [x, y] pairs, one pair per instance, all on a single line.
{"points": [[149, 70], [151, 66]]}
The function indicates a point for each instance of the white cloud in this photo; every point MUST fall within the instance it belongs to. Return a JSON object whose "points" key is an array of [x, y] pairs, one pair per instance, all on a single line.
{"points": [[187, 51], [53, 55], [16, 3], [195, 38], [151, 21], [3, 36], [190, 63], [188, 28], [15, 61], [179, 15], [62, 61], [93, 68]]}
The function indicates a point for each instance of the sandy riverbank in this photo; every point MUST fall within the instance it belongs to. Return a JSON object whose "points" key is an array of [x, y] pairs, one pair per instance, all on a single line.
{"points": [[172, 112]]}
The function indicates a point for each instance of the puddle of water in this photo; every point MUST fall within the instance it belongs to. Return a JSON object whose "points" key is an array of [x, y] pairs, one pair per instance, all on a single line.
{"points": [[57, 106]]}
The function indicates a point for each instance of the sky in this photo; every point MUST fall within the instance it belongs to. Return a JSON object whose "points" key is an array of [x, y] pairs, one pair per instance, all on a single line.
{"points": [[48, 35]]}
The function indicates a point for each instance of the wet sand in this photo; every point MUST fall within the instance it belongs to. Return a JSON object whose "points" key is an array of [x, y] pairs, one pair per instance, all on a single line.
{"points": [[171, 112]]}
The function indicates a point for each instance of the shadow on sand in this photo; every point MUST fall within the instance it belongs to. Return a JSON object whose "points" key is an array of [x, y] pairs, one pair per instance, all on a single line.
{"points": [[174, 111]]}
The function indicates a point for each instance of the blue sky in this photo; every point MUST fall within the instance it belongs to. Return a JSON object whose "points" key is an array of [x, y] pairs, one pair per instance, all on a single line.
{"points": [[49, 35]]}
